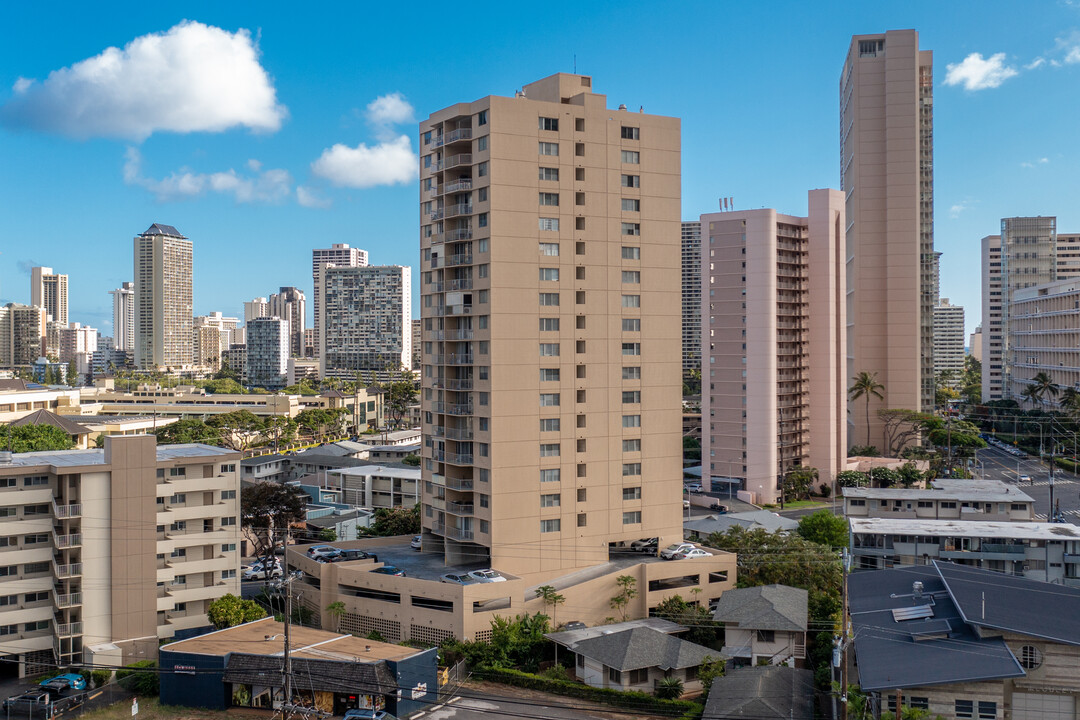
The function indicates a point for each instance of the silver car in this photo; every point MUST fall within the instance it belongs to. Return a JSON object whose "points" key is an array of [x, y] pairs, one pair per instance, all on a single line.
{"points": [[486, 576], [459, 579]]}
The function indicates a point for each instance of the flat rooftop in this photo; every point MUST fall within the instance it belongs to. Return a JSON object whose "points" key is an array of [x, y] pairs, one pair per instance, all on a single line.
{"points": [[267, 637], [966, 528], [963, 490], [72, 458]]}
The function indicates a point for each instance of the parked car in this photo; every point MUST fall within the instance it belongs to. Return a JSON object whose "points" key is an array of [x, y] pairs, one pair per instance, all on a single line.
{"points": [[367, 714], [258, 572], [458, 578], [415, 542], [389, 570], [329, 557], [669, 552], [486, 576], [685, 504], [694, 553], [32, 702], [317, 551], [574, 625], [645, 545], [718, 508], [63, 683], [350, 555], [695, 487]]}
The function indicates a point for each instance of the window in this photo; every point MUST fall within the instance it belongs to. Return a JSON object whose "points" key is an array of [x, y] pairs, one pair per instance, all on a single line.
{"points": [[549, 274], [631, 228], [631, 397], [553, 525], [857, 502], [766, 636], [482, 169], [549, 299], [36, 539], [549, 349], [36, 480], [630, 133], [549, 475], [964, 709], [987, 710], [549, 424], [553, 500], [630, 373], [179, 580], [549, 324], [228, 547], [1030, 657], [177, 472], [482, 117], [228, 574], [549, 400], [228, 521], [632, 181], [631, 276], [549, 148], [641, 675], [35, 597], [178, 499], [631, 421], [631, 493], [549, 249], [631, 156], [579, 297], [550, 449], [8, 570], [631, 469], [178, 525], [36, 625], [631, 518], [631, 301], [549, 374], [631, 445], [482, 220], [178, 553], [549, 124], [631, 205], [35, 510], [632, 349], [631, 324], [551, 199], [11, 600], [631, 253], [7, 482], [551, 224], [614, 676], [9, 629], [37, 567], [482, 144], [179, 607], [228, 494], [549, 173]]}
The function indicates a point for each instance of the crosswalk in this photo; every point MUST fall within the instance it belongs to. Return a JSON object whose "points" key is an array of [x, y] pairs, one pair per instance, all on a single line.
{"points": [[1074, 513], [1043, 483]]}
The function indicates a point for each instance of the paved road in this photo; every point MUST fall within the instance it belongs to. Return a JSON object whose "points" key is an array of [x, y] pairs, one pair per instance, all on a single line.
{"points": [[1000, 465], [535, 706]]}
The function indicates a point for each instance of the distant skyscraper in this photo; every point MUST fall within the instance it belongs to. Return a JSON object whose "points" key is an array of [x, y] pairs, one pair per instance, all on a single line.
{"points": [[289, 304], [267, 353], [50, 291], [124, 316], [341, 255], [774, 373], [211, 335], [976, 344], [163, 301], [22, 334], [691, 295], [367, 320], [949, 341], [886, 170], [417, 347], [257, 308]]}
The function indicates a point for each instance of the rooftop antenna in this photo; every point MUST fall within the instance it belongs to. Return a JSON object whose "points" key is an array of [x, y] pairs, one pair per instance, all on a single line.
{"points": [[575, 63]]}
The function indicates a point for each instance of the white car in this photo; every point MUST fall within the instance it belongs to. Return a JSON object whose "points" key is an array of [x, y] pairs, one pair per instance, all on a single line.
{"points": [[415, 543], [695, 553], [486, 576], [669, 552], [1025, 479], [694, 487], [258, 573], [322, 551]]}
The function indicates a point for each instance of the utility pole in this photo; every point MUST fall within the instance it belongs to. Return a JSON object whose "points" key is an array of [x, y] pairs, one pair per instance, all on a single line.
{"points": [[844, 635]]}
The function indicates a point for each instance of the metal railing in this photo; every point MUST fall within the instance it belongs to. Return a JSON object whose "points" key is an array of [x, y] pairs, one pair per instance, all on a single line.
{"points": [[457, 235], [460, 508], [68, 571], [456, 160], [459, 359], [458, 209], [458, 483], [461, 284], [456, 185], [69, 541], [68, 600], [63, 512], [459, 384], [458, 458], [69, 629], [458, 134], [458, 433]]}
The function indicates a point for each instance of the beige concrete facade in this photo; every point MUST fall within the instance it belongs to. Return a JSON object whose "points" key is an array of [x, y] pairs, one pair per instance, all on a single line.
{"points": [[1044, 336], [341, 255], [691, 295], [775, 362], [949, 341], [550, 306], [109, 550], [163, 299], [886, 169], [49, 290], [123, 299], [22, 334]]}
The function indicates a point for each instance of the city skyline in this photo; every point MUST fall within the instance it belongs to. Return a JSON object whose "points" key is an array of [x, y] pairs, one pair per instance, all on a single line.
{"points": [[305, 136]]}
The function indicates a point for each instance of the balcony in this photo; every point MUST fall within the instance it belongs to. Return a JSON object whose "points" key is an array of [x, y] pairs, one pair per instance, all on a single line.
{"points": [[462, 334], [459, 259], [455, 210], [462, 309], [64, 542], [458, 135], [436, 239], [438, 479], [461, 284], [69, 600], [459, 433], [453, 359], [438, 431], [458, 235], [458, 533], [437, 214], [437, 502], [457, 508], [458, 459], [456, 161], [68, 571], [64, 512], [69, 629], [459, 384], [456, 186], [459, 484]]}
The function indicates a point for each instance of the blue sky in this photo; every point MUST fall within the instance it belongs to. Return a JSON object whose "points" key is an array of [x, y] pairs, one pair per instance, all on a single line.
{"points": [[243, 128]]}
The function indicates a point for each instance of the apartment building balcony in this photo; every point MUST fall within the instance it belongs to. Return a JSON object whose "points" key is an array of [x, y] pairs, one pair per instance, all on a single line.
{"points": [[456, 186], [456, 161], [437, 479], [458, 259], [437, 455], [451, 532], [458, 135], [69, 629], [459, 484], [458, 459], [437, 503], [460, 334], [70, 570], [460, 284], [453, 359], [438, 431], [437, 141], [458, 235], [456, 508], [65, 512], [459, 433], [458, 409], [437, 214], [69, 600], [64, 542], [458, 209], [436, 239], [459, 384], [458, 310]]}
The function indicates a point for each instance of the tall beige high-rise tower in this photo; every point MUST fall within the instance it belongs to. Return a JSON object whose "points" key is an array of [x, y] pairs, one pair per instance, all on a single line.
{"points": [[123, 299], [774, 366], [341, 255], [886, 170], [551, 298], [49, 290], [949, 342], [163, 298]]}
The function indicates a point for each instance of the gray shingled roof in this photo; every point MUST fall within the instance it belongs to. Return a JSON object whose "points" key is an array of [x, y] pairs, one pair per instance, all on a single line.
{"points": [[643, 647], [752, 520], [768, 607], [44, 417], [762, 693], [160, 229]]}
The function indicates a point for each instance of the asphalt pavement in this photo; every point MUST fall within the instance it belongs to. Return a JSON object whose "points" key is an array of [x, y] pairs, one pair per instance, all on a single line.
{"points": [[996, 464]]}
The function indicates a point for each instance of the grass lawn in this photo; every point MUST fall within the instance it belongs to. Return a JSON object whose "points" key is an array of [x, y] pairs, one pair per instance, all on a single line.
{"points": [[801, 504], [149, 709]]}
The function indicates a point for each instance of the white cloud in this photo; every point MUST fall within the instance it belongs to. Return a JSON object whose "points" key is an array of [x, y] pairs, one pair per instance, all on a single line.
{"points": [[955, 210], [388, 163], [1073, 56], [192, 78], [270, 186], [309, 199], [1037, 62], [1040, 161], [978, 73], [392, 109]]}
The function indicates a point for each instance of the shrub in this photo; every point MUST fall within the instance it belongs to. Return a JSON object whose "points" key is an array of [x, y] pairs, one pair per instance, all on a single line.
{"points": [[140, 678], [669, 688], [101, 677], [556, 672]]}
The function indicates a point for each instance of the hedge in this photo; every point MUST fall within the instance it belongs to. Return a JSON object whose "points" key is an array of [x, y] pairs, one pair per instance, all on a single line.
{"points": [[1066, 464], [632, 700]]}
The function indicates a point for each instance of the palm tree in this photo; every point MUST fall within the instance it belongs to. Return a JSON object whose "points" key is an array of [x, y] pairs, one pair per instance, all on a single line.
{"points": [[864, 385], [337, 610], [548, 594], [1043, 385], [1030, 394], [1070, 399]]}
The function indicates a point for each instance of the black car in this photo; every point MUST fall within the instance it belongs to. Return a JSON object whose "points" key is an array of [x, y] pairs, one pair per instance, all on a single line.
{"points": [[40, 704], [350, 555]]}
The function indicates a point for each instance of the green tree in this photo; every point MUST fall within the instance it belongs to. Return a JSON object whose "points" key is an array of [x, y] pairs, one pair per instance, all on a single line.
{"points": [[239, 428], [34, 438], [971, 381], [222, 386], [140, 677], [73, 374], [551, 597], [865, 385], [708, 671], [669, 688], [229, 610], [313, 421], [400, 395], [824, 528], [266, 510], [703, 630], [863, 451], [279, 429], [902, 427], [627, 585], [1043, 385], [395, 521], [885, 477], [413, 460], [188, 430], [336, 610], [852, 478], [799, 481], [328, 535], [910, 475]]}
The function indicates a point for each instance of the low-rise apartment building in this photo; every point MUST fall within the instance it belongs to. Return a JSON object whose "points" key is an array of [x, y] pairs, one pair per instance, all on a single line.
{"points": [[19, 398], [105, 552], [377, 486], [1035, 550], [945, 499]]}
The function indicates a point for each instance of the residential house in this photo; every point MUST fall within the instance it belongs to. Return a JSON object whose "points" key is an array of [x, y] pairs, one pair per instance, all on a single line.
{"points": [[702, 527], [763, 624], [772, 692], [945, 499]]}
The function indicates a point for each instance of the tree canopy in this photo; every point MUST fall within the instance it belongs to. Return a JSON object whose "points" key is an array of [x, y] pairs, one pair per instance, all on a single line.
{"points": [[229, 610], [395, 521], [34, 438], [824, 528], [188, 430]]}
